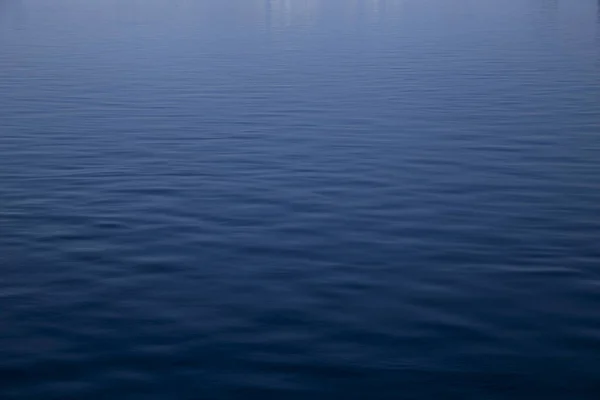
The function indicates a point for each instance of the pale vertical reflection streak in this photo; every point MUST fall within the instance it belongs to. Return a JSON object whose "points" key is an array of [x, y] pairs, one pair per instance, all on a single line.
{"points": [[285, 14], [288, 13]]}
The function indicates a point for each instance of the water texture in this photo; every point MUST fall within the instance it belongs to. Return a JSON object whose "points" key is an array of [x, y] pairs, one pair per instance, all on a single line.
{"points": [[299, 199]]}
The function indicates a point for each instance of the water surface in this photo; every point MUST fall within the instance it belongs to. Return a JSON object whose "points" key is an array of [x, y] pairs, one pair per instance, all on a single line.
{"points": [[320, 199]]}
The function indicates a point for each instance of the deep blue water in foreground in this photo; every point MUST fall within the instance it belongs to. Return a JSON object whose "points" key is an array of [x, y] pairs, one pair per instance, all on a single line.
{"points": [[299, 199]]}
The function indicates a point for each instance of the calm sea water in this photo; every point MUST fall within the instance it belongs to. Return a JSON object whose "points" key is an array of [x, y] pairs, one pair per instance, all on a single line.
{"points": [[299, 199]]}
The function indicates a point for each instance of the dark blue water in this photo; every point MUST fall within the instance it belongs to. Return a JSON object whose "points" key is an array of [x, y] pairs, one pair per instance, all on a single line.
{"points": [[299, 199]]}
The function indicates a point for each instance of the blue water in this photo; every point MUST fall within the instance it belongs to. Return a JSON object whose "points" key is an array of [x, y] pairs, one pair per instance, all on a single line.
{"points": [[299, 199]]}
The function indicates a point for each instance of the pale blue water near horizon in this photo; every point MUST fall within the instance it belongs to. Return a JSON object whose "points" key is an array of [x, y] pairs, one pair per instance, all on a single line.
{"points": [[293, 199]]}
